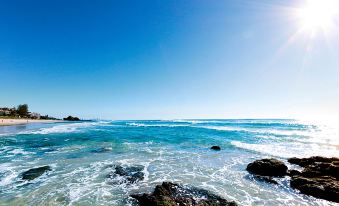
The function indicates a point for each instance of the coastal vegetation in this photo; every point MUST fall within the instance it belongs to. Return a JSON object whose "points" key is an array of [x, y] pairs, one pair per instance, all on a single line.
{"points": [[71, 118], [22, 112]]}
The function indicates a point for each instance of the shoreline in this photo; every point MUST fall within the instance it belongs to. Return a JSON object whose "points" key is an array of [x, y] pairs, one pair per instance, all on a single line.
{"points": [[10, 122]]}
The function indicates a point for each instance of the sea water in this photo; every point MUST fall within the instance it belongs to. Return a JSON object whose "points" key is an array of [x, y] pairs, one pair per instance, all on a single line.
{"points": [[81, 155]]}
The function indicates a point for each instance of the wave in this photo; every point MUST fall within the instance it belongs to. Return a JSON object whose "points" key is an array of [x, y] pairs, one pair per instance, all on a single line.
{"points": [[156, 125], [265, 131], [289, 150], [261, 131], [64, 128]]}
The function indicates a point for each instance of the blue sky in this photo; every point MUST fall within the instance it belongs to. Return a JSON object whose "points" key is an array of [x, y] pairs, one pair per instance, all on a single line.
{"points": [[166, 59]]}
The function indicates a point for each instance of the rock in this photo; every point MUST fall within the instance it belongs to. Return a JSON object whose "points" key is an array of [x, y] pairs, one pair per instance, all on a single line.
{"points": [[324, 187], [293, 172], [31, 174], [308, 161], [318, 166], [127, 174], [319, 177], [267, 167], [70, 118], [216, 148], [170, 194], [266, 179]]}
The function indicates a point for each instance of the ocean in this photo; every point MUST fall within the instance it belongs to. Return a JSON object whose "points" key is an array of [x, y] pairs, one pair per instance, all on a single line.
{"points": [[81, 156]]}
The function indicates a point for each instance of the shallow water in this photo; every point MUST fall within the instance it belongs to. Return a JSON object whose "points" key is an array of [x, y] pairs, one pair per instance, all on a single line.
{"points": [[176, 151]]}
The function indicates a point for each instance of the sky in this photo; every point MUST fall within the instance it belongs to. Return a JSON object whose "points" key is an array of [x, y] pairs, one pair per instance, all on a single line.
{"points": [[167, 59]]}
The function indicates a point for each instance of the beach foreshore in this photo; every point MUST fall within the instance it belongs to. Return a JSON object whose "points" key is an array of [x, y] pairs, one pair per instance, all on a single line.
{"points": [[9, 122]]}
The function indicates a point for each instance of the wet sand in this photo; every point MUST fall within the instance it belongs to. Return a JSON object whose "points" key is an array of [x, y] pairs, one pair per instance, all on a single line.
{"points": [[8, 122]]}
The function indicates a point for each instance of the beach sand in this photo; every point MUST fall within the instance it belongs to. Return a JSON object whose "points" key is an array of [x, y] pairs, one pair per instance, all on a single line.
{"points": [[8, 122]]}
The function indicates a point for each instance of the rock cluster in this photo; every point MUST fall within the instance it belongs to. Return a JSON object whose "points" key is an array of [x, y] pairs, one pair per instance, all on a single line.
{"points": [[319, 177], [131, 174], [171, 194]]}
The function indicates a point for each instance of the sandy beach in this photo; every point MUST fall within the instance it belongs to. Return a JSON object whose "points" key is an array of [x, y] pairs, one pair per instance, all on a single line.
{"points": [[8, 122]]}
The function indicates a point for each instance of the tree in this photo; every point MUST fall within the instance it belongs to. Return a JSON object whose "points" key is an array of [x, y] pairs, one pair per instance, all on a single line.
{"points": [[22, 109]]}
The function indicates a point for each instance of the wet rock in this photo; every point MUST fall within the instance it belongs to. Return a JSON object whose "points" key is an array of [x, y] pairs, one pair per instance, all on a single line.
{"points": [[101, 150], [31, 174], [127, 174], [318, 166], [309, 161], [319, 177], [170, 194], [266, 179], [267, 167], [293, 172], [217, 148], [324, 187]]}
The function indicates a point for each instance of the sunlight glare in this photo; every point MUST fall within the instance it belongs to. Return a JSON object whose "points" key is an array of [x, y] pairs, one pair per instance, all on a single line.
{"points": [[318, 14]]}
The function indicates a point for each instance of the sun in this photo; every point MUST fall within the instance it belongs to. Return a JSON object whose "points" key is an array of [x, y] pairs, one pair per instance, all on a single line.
{"points": [[318, 15]]}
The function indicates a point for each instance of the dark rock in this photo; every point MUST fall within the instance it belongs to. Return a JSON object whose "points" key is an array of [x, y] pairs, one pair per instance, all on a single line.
{"points": [[170, 194], [308, 161], [324, 187], [293, 172], [267, 167], [216, 148], [319, 177], [265, 179], [129, 174], [101, 150], [31, 174], [70, 118], [318, 166]]}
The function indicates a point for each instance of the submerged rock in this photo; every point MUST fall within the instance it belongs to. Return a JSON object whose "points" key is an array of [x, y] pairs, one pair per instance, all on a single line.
{"points": [[101, 150], [266, 179], [170, 194], [127, 174], [31, 174], [319, 177], [267, 167], [215, 148]]}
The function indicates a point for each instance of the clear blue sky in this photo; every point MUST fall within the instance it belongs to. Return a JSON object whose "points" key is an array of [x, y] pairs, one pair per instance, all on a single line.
{"points": [[165, 59]]}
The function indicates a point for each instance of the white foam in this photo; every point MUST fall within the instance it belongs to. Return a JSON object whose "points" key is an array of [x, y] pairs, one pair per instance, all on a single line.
{"points": [[286, 150], [19, 151], [64, 128], [260, 131], [223, 128]]}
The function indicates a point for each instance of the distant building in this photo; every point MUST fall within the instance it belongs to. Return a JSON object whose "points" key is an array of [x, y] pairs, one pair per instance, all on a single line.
{"points": [[34, 115], [6, 111]]}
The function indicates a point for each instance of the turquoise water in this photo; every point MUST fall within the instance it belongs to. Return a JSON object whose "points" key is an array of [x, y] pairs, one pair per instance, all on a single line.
{"points": [[80, 155]]}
